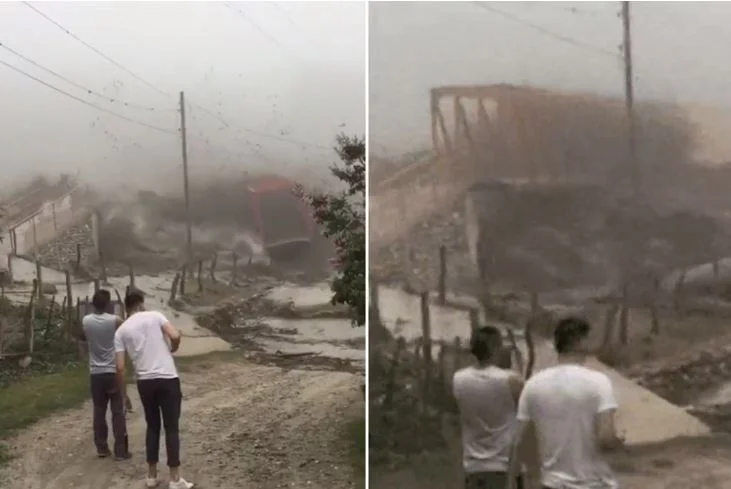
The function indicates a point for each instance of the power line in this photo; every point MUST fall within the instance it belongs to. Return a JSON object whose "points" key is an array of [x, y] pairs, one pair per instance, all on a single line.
{"points": [[97, 51], [261, 31], [78, 85], [548, 32], [139, 78], [74, 97], [265, 135], [283, 13]]}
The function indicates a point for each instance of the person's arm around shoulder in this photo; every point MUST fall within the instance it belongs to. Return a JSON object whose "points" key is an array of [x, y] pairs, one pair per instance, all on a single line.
{"points": [[118, 322], [173, 334], [525, 447], [524, 432], [120, 360], [606, 429]]}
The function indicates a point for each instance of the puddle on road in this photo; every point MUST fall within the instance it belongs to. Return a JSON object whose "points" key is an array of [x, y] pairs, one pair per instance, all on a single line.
{"points": [[334, 338]]}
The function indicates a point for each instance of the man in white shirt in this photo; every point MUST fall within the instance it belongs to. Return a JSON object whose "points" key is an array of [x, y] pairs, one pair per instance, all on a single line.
{"points": [[487, 396], [145, 336], [572, 409]]}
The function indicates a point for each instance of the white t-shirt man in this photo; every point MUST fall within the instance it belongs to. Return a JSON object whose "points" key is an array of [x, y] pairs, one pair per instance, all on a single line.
{"points": [[563, 403], [142, 337], [487, 414]]}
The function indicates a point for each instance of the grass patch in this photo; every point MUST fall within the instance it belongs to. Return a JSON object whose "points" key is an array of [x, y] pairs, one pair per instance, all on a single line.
{"points": [[355, 436], [37, 396]]}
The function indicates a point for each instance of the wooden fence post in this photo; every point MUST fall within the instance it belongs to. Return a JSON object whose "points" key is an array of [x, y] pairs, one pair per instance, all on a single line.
{"points": [[69, 306], [427, 342], [678, 293], [235, 268], [535, 312], [474, 315], [392, 374], [122, 308], [214, 261], [174, 288], [374, 304], [200, 275], [49, 317], [39, 278], [183, 276], [654, 315], [131, 273], [103, 267], [30, 318], [442, 286], [624, 316]]}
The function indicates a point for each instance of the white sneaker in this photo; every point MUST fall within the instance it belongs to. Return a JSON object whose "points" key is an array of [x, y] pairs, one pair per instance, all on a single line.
{"points": [[181, 484], [152, 482]]}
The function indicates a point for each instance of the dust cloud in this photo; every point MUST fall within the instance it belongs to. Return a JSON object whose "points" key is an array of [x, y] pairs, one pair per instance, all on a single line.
{"points": [[504, 180]]}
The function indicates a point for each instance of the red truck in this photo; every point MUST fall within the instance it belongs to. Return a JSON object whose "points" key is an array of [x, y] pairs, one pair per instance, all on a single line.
{"points": [[284, 221]]}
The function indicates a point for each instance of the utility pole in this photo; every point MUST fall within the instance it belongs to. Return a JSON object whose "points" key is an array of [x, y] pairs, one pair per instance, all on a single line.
{"points": [[186, 186], [632, 164]]}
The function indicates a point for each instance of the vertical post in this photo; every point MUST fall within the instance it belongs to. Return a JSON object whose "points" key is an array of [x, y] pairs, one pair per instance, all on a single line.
{"points": [[629, 98], [70, 303], [442, 275], [186, 187], [131, 273], [426, 338], [39, 278], [200, 275], [235, 269]]}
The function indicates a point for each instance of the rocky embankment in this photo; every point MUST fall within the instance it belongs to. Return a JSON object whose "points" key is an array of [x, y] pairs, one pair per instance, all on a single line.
{"points": [[414, 260], [61, 252], [686, 379]]}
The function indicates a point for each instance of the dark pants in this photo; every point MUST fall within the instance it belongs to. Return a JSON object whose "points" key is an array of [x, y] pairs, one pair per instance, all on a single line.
{"points": [[104, 391], [489, 480], [161, 397]]}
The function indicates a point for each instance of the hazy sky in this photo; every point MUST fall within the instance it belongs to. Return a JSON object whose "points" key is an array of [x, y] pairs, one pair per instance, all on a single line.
{"points": [[292, 70], [680, 54]]}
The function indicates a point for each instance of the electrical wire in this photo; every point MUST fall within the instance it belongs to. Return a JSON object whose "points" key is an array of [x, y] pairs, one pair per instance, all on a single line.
{"points": [[547, 32], [74, 97], [79, 86], [191, 104], [261, 31], [98, 51], [262, 134]]}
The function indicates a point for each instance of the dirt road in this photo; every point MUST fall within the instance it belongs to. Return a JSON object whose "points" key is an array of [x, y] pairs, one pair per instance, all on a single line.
{"points": [[243, 426], [677, 464]]}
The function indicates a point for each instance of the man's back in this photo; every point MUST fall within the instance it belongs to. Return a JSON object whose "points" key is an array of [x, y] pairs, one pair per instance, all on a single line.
{"points": [[141, 335], [99, 332], [563, 403], [487, 414]]}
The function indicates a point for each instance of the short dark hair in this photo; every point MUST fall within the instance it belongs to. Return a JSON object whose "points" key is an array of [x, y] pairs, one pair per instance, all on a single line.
{"points": [[486, 342], [133, 300], [101, 299], [569, 332]]}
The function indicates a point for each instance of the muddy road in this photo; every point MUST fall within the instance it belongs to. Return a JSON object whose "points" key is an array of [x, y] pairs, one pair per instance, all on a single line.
{"points": [[243, 425]]}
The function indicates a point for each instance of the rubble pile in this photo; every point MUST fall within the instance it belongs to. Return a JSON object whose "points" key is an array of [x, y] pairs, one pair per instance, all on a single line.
{"points": [[415, 259], [60, 253], [553, 237], [683, 379]]}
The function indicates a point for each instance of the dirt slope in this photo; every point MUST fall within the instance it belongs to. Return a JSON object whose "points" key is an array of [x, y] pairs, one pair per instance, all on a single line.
{"points": [[243, 425]]}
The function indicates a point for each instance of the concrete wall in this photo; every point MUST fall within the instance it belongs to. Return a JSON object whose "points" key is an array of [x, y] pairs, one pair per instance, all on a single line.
{"points": [[52, 218]]}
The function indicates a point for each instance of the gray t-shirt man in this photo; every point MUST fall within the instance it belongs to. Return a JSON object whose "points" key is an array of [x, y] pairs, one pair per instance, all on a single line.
{"points": [[99, 331]]}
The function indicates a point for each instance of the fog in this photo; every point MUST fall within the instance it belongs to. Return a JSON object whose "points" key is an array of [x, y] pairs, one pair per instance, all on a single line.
{"points": [[678, 49], [268, 85]]}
